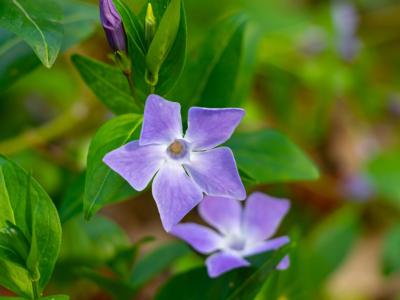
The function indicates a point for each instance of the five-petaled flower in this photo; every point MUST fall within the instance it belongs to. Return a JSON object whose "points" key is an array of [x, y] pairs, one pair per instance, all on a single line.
{"points": [[112, 24], [185, 166], [240, 232]]}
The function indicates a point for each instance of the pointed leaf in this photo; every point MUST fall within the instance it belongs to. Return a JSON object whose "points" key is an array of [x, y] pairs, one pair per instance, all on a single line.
{"points": [[38, 23], [107, 82], [104, 186], [36, 216], [268, 156]]}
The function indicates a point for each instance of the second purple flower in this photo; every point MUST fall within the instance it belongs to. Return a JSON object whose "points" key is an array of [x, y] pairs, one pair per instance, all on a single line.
{"points": [[184, 166]]}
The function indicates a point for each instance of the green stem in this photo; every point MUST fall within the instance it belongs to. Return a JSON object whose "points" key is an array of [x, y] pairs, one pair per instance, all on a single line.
{"points": [[35, 290], [64, 123], [131, 84]]}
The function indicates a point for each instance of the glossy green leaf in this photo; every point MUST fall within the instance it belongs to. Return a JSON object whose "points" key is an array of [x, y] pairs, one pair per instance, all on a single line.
{"points": [[14, 246], [107, 82], [164, 38], [391, 250], [268, 156], [239, 284], [36, 216], [155, 262], [104, 186], [210, 79], [17, 58], [38, 23]]}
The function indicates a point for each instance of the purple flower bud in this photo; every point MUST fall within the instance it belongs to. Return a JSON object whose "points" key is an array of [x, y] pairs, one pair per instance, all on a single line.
{"points": [[112, 24]]}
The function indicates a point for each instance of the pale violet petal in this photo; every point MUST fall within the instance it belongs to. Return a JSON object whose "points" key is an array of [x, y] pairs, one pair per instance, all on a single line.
{"points": [[273, 244], [136, 164], [284, 264], [216, 173], [222, 213], [210, 127], [201, 238], [162, 122], [262, 215], [175, 194], [222, 262]]}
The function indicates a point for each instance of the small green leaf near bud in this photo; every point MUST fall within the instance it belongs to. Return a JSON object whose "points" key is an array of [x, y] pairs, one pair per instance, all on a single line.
{"points": [[150, 25], [163, 39]]}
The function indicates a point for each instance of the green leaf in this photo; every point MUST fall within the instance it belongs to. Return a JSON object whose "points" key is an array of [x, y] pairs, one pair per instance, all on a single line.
{"points": [[14, 246], [108, 83], [155, 262], [17, 58], [104, 186], [240, 284], [36, 216], [72, 202], [38, 23], [330, 243], [212, 78], [391, 250], [384, 173], [56, 297], [172, 68], [91, 243], [268, 156], [119, 290], [164, 38], [136, 48]]}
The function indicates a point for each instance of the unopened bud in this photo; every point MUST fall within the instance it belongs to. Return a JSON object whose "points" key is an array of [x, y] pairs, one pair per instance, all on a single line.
{"points": [[150, 25], [112, 25]]}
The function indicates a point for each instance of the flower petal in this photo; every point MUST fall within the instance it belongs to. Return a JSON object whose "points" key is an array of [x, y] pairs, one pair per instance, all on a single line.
{"points": [[216, 173], [223, 262], [162, 122], [136, 164], [175, 193], [284, 264], [223, 213], [201, 238], [269, 245], [208, 128], [262, 215]]}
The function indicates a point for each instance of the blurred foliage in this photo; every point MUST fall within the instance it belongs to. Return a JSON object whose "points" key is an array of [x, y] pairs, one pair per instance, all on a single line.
{"points": [[283, 61]]}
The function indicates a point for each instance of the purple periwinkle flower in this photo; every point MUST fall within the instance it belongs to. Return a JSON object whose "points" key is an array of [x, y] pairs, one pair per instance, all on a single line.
{"points": [[239, 232], [185, 166], [346, 20], [112, 24], [358, 187]]}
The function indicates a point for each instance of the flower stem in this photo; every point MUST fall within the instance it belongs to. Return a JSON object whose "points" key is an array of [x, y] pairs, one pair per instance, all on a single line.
{"points": [[35, 290]]}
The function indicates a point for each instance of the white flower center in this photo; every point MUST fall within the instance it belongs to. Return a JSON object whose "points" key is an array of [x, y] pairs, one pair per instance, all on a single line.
{"points": [[235, 243]]}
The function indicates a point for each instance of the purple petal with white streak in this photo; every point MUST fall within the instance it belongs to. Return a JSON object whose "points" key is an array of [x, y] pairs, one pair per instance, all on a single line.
{"points": [[222, 213], [262, 215], [223, 262], [162, 122], [175, 194], [136, 164], [208, 128], [269, 245], [216, 173], [201, 238]]}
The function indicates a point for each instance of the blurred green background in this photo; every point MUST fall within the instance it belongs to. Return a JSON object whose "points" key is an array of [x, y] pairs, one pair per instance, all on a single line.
{"points": [[325, 73]]}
